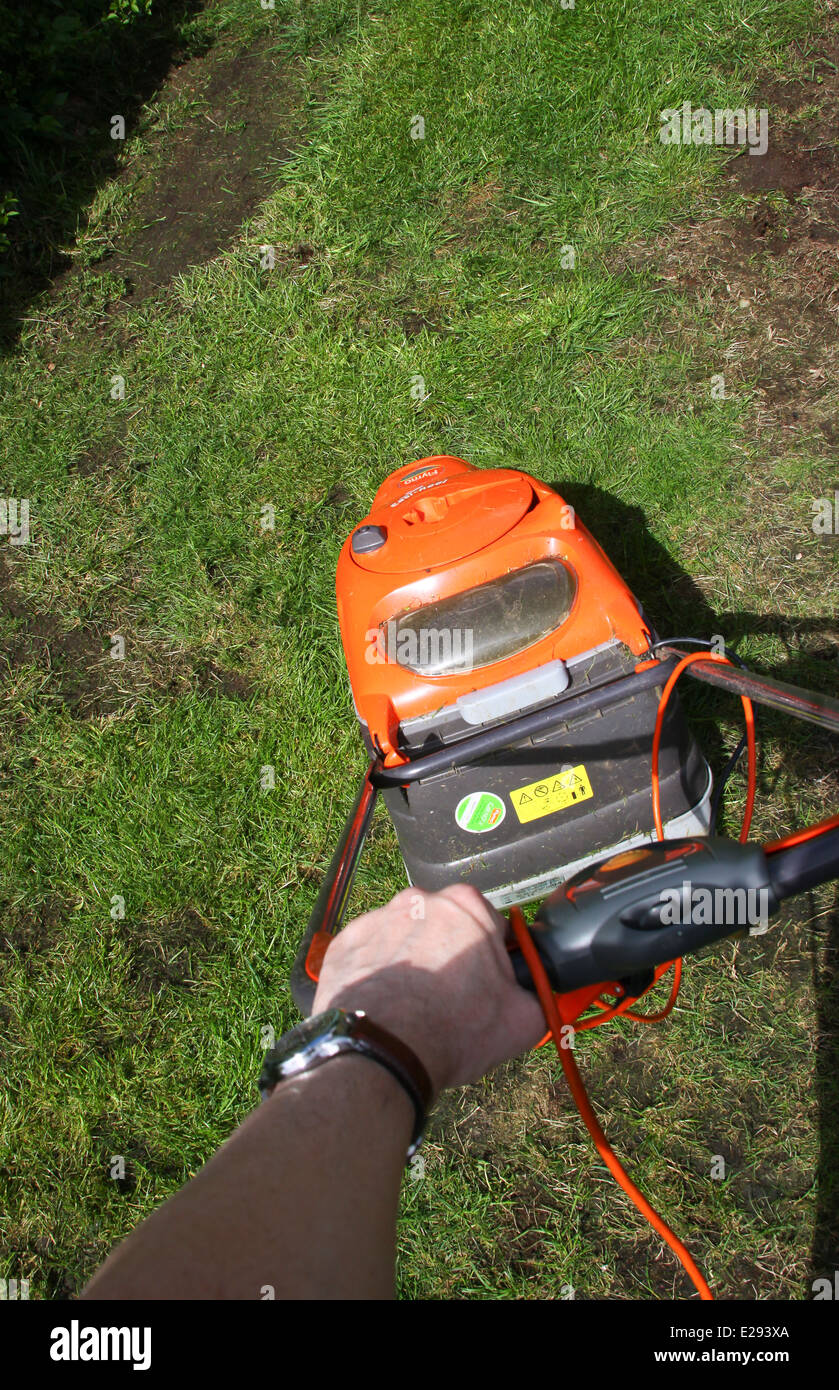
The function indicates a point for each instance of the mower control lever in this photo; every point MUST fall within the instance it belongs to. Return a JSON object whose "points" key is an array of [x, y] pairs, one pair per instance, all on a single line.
{"points": [[640, 908]]}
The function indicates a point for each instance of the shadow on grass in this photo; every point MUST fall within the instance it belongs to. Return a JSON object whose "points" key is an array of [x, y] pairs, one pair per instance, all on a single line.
{"points": [[69, 75], [677, 607]]}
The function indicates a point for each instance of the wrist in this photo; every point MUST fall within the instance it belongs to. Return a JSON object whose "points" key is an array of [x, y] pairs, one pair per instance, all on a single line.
{"points": [[406, 1019], [359, 1093], [336, 1032]]}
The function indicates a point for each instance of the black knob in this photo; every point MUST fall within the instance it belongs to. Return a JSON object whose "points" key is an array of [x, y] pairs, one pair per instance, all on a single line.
{"points": [[368, 538]]}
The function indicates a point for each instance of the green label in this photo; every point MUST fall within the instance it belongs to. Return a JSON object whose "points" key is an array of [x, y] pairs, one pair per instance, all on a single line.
{"points": [[479, 812]]}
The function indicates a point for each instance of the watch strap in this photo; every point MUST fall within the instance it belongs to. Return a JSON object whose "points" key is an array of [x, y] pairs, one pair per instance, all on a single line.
{"points": [[359, 1034], [403, 1063]]}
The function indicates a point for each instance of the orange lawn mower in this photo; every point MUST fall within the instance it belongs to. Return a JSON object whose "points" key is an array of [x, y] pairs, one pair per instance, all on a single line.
{"points": [[518, 712]]}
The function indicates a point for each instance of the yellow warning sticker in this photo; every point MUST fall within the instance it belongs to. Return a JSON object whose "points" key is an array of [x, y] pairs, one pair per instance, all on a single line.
{"points": [[554, 793]]}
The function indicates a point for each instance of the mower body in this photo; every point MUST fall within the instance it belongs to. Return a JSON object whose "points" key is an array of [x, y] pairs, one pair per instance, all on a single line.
{"points": [[469, 597]]}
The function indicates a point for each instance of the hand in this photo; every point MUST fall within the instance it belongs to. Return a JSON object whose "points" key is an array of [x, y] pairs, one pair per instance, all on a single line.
{"points": [[433, 969]]}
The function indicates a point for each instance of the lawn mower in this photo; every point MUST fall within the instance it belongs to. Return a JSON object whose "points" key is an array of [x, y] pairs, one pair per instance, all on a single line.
{"points": [[518, 712]]}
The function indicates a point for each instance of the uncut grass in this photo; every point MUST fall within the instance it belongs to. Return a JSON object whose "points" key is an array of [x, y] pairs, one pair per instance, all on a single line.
{"points": [[291, 387]]}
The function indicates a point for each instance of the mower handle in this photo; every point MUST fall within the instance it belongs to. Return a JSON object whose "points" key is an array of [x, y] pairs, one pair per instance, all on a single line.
{"points": [[809, 705], [620, 918], [327, 915]]}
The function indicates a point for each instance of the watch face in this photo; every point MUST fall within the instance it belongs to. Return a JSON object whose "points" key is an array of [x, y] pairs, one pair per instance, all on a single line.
{"points": [[313, 1041], [306, 1036]]}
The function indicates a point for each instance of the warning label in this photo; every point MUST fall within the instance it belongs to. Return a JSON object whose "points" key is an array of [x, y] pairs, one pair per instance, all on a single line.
{"points": [[553, 793]]}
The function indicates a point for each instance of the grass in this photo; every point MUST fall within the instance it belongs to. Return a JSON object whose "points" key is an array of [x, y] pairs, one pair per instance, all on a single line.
{"points": [[133, 786]]}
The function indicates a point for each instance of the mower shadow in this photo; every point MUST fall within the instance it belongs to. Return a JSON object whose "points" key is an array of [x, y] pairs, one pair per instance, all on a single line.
{"points": [[677, 607]]}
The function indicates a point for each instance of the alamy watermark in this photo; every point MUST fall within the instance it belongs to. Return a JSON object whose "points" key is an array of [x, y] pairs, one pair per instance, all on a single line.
{"points": [[13, 1290], [422, 649], [14, 519], [734, 907], [689, 125], [826, 515], [79, 1342], [826, 1289]]}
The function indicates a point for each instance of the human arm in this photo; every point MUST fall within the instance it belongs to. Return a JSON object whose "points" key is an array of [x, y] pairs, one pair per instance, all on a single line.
{"points": [[302, 1200]]}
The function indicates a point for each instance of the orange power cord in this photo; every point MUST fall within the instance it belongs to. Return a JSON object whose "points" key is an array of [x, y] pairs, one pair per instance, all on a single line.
{"points": [[578, 1091], [798, 838], [610, 1011], [750, 737]]}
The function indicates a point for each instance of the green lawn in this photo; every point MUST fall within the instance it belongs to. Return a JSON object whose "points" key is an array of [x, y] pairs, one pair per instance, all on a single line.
{"points": [[139, 779]]}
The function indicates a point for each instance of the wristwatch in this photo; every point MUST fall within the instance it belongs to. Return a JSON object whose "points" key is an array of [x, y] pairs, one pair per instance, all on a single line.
{"points": [[335, 1032]]}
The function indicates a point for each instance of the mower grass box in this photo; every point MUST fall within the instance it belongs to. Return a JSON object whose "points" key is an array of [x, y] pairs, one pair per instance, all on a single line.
{"points": [[467, 599]]}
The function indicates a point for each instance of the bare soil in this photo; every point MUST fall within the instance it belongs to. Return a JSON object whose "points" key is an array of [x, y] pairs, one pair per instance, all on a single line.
{"points": [[215, 170]]}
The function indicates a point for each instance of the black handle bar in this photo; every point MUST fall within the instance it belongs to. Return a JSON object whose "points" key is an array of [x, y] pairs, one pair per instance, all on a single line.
{"points": [[634, 910]]}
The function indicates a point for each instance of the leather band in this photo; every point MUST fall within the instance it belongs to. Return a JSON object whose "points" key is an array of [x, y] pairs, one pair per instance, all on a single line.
{"points": [[390, 1052], [357, 1033]]}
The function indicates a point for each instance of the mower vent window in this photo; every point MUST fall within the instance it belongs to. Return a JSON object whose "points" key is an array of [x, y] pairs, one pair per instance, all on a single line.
{"points": [[483, 625]]}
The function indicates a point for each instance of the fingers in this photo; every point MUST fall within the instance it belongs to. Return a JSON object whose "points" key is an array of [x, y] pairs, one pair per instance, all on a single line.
{"points": [[434, 968], [470, 900]]}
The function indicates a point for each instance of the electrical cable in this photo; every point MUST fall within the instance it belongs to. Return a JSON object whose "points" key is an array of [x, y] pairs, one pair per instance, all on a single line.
{"points": [[578, 1091], [622, 1009], [716, 800]]}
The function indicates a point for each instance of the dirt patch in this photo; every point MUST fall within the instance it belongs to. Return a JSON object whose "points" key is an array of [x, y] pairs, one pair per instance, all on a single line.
{"points": [[490, 1119], [801, 152], [215, 170], [99, 458], [467, 213], [212, 679], [771, 277], [169, 953], [414, 324], [521, 1246], [32, 930], [66, 83], [71, 660], [179, 673], [80, 672], [641, 1263], [776, 302]]}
